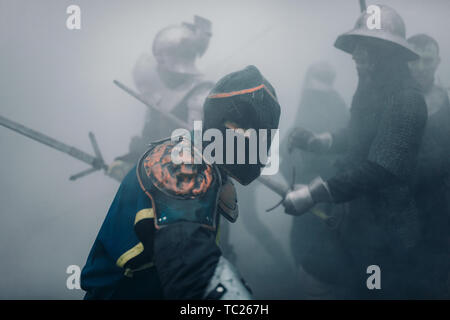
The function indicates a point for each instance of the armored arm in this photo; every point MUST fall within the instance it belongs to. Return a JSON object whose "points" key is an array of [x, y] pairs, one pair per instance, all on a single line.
{"points": [[392, 158]]}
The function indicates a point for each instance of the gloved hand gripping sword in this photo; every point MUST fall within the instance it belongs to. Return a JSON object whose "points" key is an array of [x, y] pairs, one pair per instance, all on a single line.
{"points": [[299, 199]]}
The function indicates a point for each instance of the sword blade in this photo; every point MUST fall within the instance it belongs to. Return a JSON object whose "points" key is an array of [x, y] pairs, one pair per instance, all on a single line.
{"points": [[279, 187], [82, 174], [94, 143], [53, 143]]}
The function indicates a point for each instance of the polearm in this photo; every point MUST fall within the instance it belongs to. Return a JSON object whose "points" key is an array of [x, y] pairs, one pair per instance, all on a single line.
{"points": [[96, 163], [362, 5], [137, 96], [282, 189]]}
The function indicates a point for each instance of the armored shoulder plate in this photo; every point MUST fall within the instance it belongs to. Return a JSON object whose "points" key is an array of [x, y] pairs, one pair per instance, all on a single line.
{"points": [[179, 192]]}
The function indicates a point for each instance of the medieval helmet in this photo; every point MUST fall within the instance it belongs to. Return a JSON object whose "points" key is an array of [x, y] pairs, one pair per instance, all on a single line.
{"points": [[177, 47], [392, 31], [248, 100]]}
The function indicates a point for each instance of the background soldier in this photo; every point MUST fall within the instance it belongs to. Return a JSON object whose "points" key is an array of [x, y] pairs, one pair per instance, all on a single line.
{"points": [[432, 184], [312, 242], [381, 144], [173, 85]]}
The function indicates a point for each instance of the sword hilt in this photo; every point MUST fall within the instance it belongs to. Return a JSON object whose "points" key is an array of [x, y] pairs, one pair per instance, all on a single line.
{"points": [[98, 163], [281, 188]]}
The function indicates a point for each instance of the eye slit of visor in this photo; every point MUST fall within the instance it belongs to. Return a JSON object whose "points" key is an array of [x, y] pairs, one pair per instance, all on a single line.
{"points": [[232, 125]]}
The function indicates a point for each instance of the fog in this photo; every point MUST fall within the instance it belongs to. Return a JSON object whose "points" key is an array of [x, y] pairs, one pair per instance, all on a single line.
{"points": [[59, 82]]}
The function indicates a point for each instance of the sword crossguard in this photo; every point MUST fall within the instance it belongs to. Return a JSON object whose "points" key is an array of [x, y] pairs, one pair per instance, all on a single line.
{"points": [[82, 174], [97, 164], [277, 205]]}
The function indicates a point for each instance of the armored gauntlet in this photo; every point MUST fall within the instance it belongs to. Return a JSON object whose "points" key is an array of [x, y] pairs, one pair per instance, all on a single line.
{"points": [[306, 140], [304, 197]]}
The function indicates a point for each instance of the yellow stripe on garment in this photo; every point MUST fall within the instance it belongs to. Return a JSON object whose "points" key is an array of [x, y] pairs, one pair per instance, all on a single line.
{"points": [[218, 235], [129, 272], [147, 213], [130, 254], [144, 214]]}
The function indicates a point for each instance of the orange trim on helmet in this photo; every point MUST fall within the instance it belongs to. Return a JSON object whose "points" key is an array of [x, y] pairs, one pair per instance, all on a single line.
{"points": [[239, 92]]}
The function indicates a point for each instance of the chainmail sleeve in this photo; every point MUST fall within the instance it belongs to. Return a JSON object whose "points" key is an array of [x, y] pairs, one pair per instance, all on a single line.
{"points": [[361, 180], [396, 145], [393, 153]]}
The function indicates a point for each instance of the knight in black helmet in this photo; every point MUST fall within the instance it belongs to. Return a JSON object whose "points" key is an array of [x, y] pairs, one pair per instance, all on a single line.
{"points": [[159, 237], [170, 81], [381, 143]]}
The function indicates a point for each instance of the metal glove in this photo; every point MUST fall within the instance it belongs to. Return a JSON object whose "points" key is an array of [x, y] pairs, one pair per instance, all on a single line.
{"points": [[306, 140], [304, 197]]}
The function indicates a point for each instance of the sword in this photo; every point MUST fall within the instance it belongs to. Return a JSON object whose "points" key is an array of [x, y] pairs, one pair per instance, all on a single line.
{"points": [[97, 162]]}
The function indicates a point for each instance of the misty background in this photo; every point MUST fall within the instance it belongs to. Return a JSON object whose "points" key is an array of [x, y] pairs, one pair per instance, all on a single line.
{"points": [[59, 82]]}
